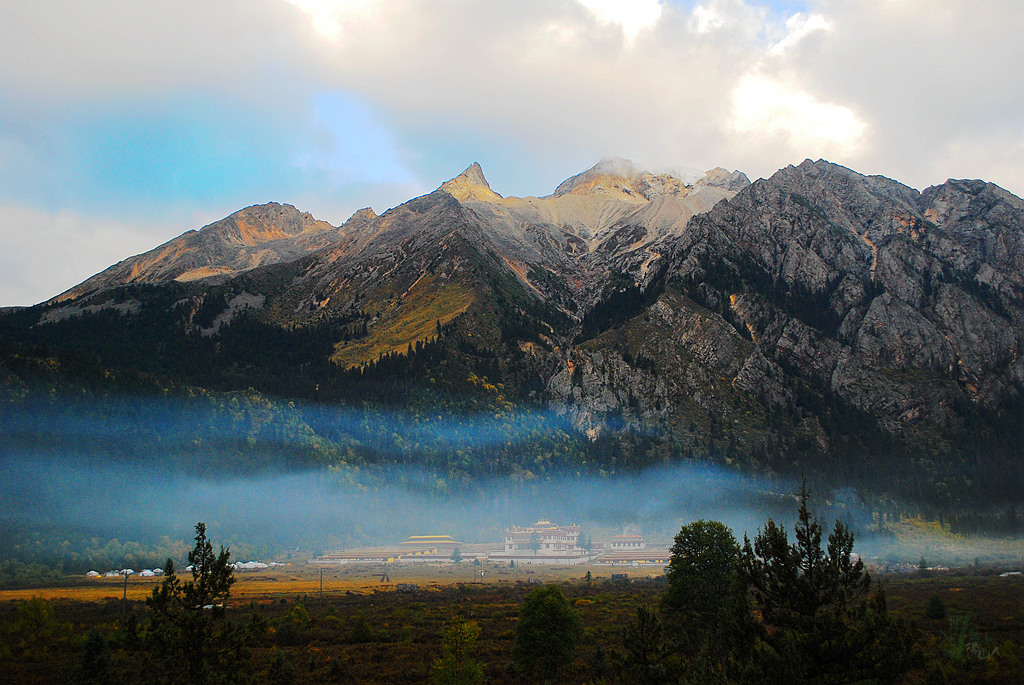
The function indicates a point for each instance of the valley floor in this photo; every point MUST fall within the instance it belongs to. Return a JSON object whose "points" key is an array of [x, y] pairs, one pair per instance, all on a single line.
{"points": [[364, 630]]}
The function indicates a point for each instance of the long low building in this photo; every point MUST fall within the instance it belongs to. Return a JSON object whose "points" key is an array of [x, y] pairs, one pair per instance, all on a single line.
{"points": [[638, 557], [632, 550], [416, 548], [367, 556], [619, 543]]}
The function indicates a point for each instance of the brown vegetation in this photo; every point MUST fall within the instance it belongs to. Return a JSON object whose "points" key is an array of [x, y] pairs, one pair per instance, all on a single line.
{"points": [[365, 631]]}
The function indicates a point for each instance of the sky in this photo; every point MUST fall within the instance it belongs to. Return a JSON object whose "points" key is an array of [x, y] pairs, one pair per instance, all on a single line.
{"points": [[124, 123]]}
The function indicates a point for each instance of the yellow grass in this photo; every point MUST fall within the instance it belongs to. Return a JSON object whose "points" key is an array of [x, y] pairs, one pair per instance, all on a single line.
{"points": [[411, 317], [304, 579]]}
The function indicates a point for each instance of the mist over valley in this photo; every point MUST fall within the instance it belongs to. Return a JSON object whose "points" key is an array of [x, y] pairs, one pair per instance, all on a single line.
{"points": [[631, 352], [591, 417]]}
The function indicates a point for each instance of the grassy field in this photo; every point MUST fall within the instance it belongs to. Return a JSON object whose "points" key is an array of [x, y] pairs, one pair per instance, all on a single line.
{"points": [[365, 630], [304, 579], [409, 318]]}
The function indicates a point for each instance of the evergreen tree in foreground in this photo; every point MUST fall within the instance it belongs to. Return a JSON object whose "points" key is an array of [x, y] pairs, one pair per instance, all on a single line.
{"points": [[189, 635], [641, 638], [820, 623], [776, 611], [710, 629]]}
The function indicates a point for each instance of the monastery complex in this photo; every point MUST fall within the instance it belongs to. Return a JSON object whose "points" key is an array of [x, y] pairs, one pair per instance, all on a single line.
{"points": [[543, 542]]}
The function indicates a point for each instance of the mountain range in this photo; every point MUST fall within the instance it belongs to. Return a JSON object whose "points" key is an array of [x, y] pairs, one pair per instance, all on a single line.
{"points": [[819, 319]]}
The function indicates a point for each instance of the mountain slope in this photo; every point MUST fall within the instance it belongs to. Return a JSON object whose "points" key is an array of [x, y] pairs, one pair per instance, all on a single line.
{"points": [[822, 287], [249, 238], [819, 319]]}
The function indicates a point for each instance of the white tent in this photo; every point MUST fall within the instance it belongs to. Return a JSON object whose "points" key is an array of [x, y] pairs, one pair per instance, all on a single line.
{"points": [[249, 566]]}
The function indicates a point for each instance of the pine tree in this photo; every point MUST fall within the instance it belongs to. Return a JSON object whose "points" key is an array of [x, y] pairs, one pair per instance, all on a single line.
{"points": [[188, 632], [821, 622], [642, 640], [96, 665]]}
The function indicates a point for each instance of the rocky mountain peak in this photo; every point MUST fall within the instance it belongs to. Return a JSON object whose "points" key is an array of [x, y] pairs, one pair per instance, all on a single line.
{"points": [[249, 238], [718, 177], [470, 185], [621, 179], [267, 210], [818, 311], [611, 176], [362, 216], [260, 223]]}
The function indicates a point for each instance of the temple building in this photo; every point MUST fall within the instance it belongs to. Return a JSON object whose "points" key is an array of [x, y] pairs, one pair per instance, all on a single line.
{"points": [[429, 544], [542, 543]]}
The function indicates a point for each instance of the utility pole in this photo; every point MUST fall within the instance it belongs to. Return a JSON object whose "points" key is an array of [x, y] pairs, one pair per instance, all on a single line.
{"points": [[321, 585], [124, 598]]}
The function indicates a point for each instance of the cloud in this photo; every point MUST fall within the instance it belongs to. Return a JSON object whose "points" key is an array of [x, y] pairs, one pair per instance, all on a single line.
{"points": [[331, 19], [551, 77], [53, 50], [45, 253], [559, 79], [928, 79], [705, 19], [633, 16], [766, 107], [798, 27]]}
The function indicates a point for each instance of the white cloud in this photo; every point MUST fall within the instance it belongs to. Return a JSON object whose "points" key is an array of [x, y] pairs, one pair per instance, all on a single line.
{"points": [[926, 77], [798, 27], [633, 16], [45, 253], [549, 74], [764, 107], [731, 25], [331, 18], [51, 49], [705, 19]]}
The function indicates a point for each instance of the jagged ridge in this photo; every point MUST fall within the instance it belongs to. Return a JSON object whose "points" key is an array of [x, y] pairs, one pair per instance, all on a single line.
{"points": [[819, 311]]}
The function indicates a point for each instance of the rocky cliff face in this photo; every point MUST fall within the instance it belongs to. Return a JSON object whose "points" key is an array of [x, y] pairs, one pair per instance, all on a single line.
{"points": [[728, 317], [903, 305]]}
